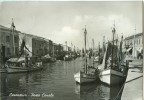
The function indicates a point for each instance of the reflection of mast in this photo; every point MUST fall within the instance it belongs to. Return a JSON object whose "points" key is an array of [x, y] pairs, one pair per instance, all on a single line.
{"points": [[13, 29]]}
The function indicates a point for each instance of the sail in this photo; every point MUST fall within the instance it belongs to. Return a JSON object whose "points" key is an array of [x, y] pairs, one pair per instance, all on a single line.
{"points": [[23, 45]]}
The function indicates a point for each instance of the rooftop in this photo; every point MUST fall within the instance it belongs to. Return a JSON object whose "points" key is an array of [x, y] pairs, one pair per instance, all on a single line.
{"points": [[6, 28], [132, 36]]}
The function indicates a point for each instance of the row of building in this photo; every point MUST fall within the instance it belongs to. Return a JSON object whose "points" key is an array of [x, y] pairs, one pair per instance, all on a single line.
{"points": [[11, 40], [134, 45]]}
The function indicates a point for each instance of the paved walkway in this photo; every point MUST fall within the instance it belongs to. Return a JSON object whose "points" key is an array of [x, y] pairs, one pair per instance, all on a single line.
{"points": [[133, 86]]}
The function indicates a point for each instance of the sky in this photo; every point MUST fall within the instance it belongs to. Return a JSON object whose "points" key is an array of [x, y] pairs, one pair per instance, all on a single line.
{"points": [[62, 21]]}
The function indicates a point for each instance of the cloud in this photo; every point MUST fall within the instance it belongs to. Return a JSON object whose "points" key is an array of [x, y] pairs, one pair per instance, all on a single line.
{"points": [[68, 34]]}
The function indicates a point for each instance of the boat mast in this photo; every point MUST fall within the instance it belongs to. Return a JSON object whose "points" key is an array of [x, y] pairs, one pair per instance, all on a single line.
{"points": [[93, 51], [13, 28], [113, 31], [103, 45], [53, 50], [99, 54], [71, 48], [66, 48], [85, 33], [121, 46]]}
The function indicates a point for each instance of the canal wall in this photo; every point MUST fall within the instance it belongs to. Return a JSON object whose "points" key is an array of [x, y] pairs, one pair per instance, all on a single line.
{"points": [[133, 85]]}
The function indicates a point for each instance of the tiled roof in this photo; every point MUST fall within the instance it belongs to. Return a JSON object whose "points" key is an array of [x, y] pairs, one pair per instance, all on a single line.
{"points": [[3, 27], [132, 36], [6, 28]]}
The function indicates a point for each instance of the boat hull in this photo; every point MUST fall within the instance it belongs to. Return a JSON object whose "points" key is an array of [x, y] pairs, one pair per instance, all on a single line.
{"points": [[82, 77], [112, 77], [13, 69]]}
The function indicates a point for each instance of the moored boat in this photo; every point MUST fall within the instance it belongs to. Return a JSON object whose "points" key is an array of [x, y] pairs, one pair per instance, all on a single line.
{"points": [[22, 64], [89, 73], [83, 77], [48, 59], [110, 76], [113, 70], [68, 57]]}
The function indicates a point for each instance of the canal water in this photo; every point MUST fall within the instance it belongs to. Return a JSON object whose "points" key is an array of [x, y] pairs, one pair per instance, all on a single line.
{"points": [[54, 82]]}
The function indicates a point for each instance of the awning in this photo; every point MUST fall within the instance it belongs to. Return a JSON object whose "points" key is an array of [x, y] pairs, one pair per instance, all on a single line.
{"points": [[128, 49]]}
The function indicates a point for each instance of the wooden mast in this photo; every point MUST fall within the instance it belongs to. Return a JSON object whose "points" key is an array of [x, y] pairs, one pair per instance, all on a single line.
{"points": [[13, 28], [53, 50], [93, 51], [66, 47], [99, 54], [113, 31], [85, 33]]}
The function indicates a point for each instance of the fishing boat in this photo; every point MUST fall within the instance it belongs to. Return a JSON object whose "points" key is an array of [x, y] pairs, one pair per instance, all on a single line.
{"points": [[47, 58], [68, 55], [89, 73], [113, 69], [22, 64]]}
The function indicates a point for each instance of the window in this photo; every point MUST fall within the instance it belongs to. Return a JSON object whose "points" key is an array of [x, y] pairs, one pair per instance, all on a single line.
{"points": [[7, 38]]}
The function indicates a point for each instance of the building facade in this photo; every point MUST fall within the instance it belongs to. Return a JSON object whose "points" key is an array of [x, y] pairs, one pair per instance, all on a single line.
{"points": [[39, 47], [9, 42], [134, 45]]}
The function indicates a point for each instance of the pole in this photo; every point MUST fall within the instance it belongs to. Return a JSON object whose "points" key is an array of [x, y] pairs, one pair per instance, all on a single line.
{"points": [[113, 31], [134, 43], [85, 33], [12, 26], [93, 51], [99, 54], [66, 46]]}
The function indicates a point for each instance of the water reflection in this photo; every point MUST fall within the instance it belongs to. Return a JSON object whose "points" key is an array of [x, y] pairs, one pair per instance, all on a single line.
{"points": [[56, 78], [97, 91]]}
